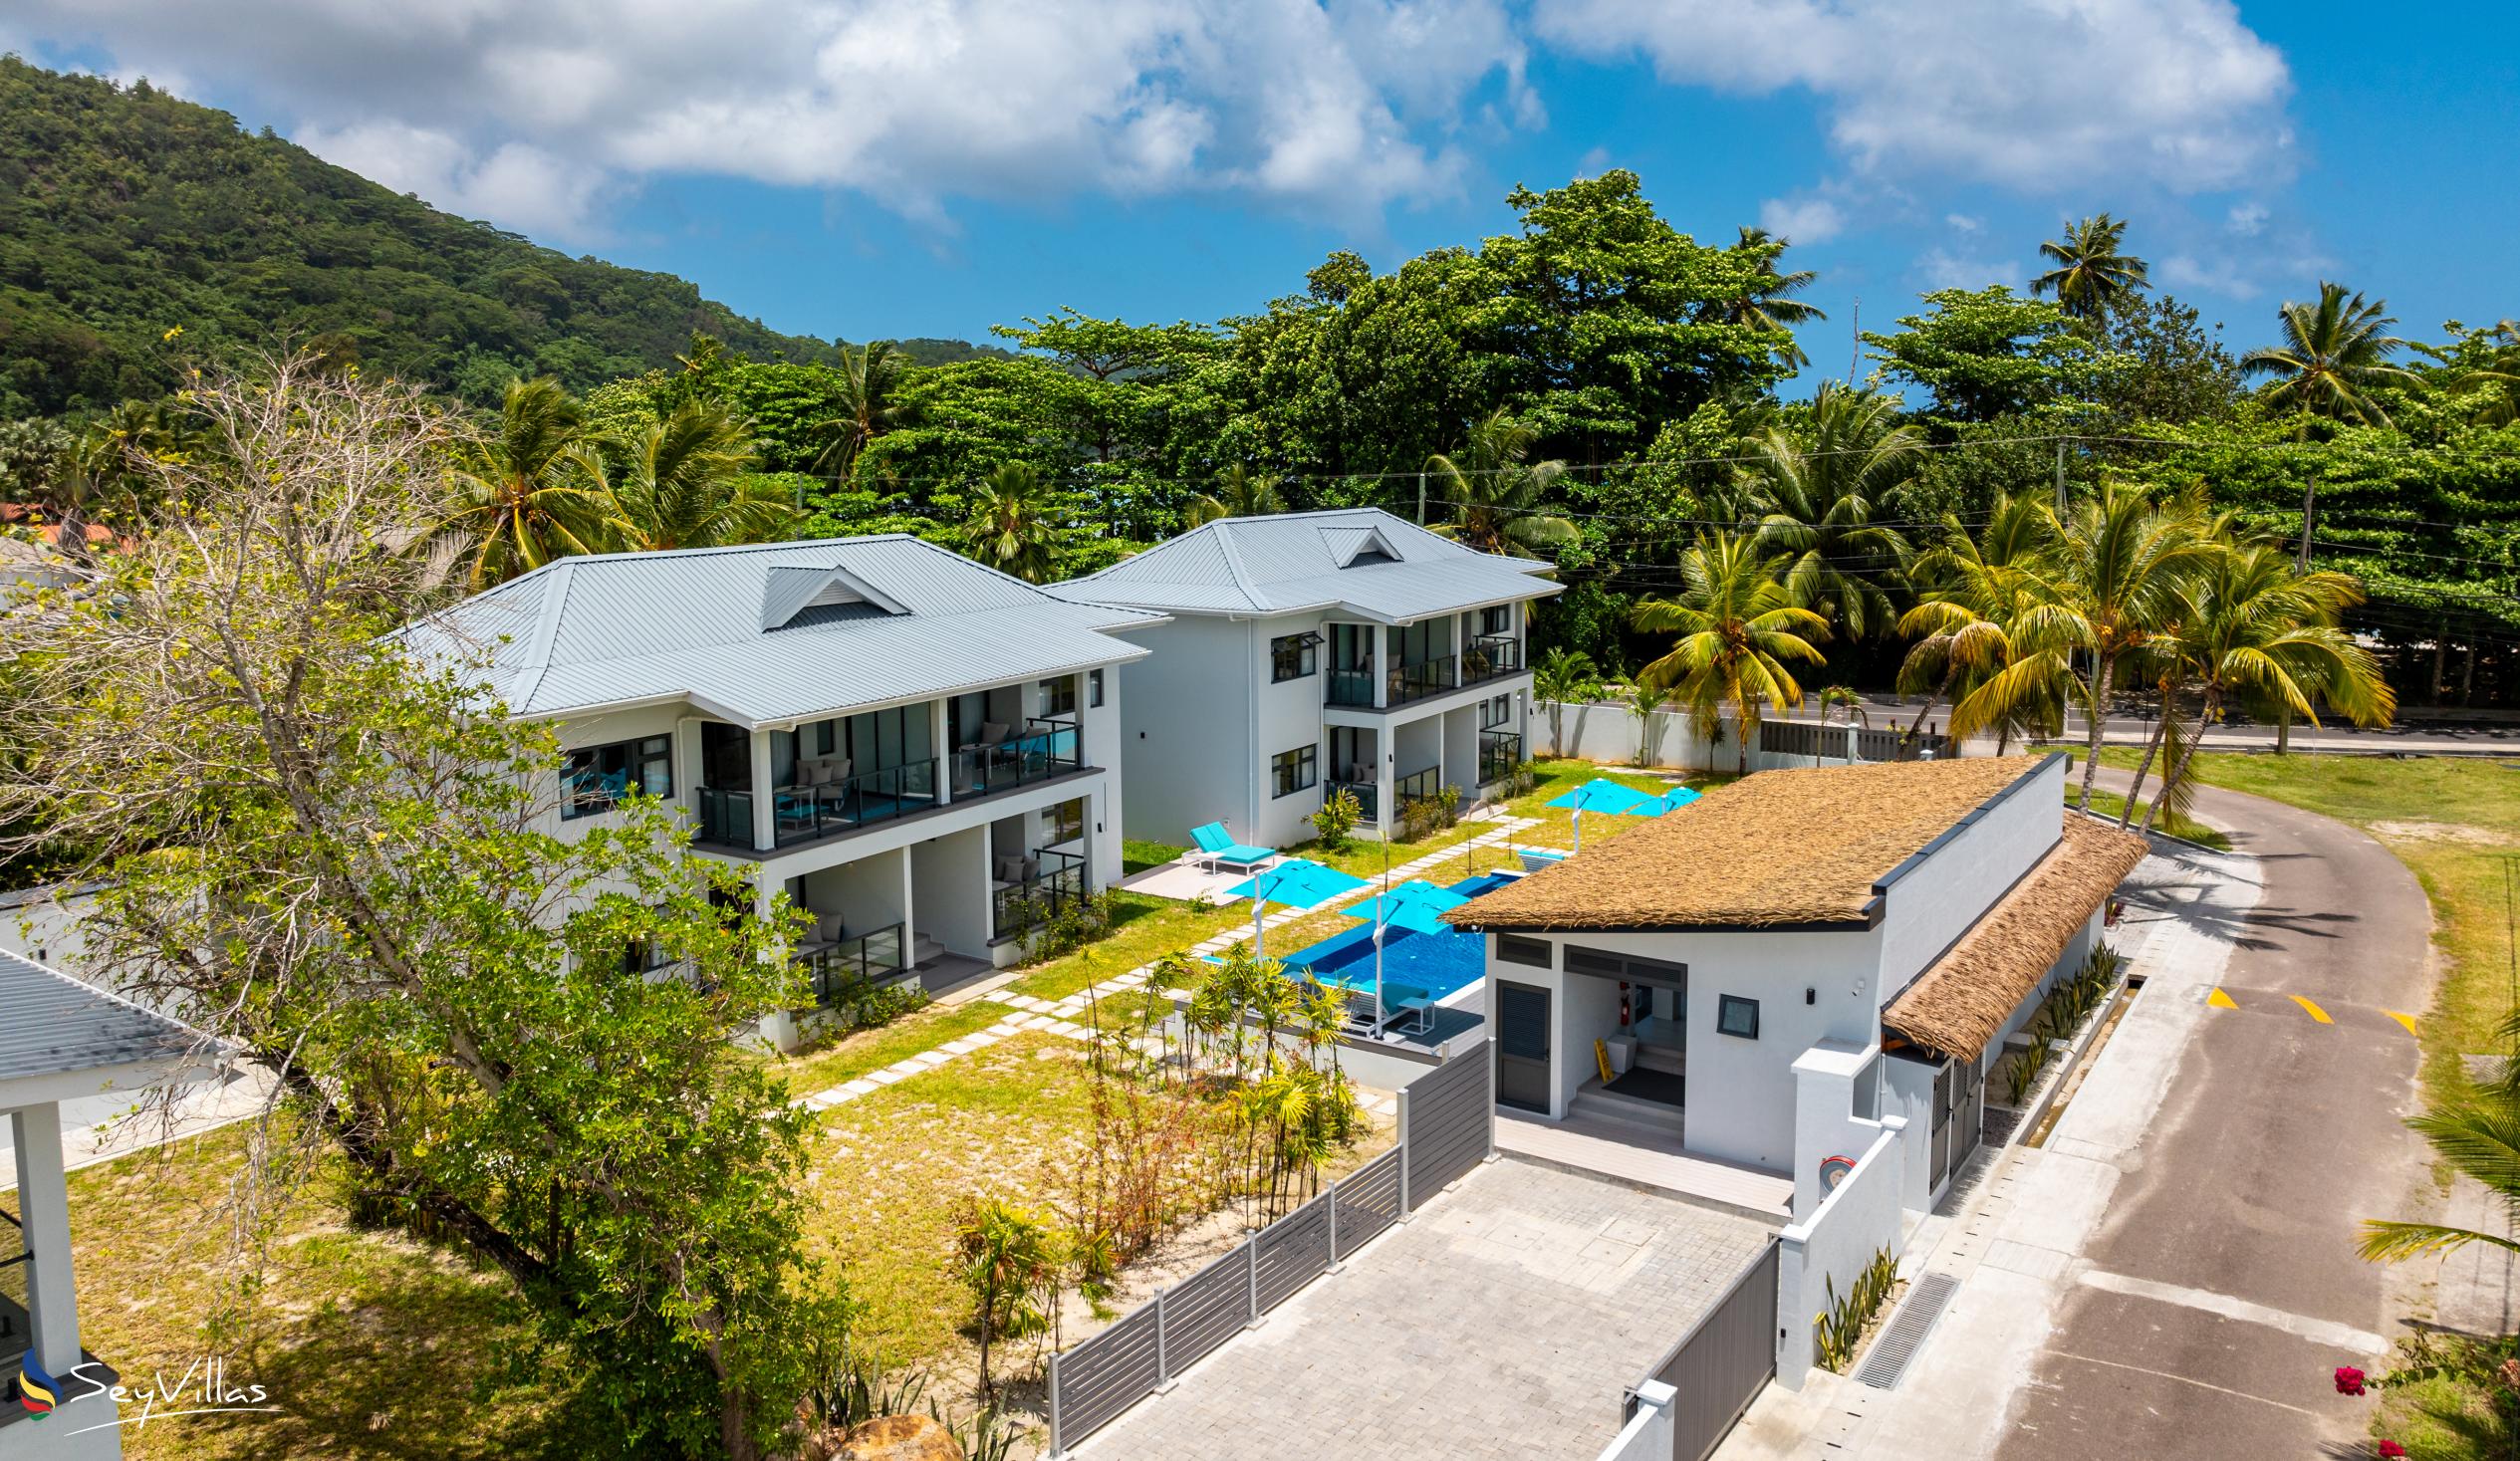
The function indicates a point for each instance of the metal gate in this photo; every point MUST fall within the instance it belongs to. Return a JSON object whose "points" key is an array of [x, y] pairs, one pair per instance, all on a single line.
{"points": [[1719, 1367]]}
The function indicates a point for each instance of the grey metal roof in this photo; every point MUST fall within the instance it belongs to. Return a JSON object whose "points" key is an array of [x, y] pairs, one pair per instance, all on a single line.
{"points": [[1302, 560], [53, 1025], [623, 628]]}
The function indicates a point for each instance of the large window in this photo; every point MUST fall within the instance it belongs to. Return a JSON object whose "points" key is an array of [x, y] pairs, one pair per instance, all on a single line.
{"points": [[1059, 696], [1496, 619], [600, 776], [1291, 656], [1496, 710], [1064, 822], [1292, 770]]}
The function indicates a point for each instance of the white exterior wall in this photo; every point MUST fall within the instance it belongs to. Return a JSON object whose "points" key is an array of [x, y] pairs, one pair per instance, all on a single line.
{"points": [[1286, 716], [949, 886], [1187, 720], [1834, 1245], [42, 923], [1908, 1093], [1939, 899]]}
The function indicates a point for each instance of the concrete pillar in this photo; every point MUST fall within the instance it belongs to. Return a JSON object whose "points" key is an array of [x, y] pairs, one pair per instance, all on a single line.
{"points": [[1386, 814], [944, 752], [44, 1213], [1382, 665], [765, 821], [909, 909], [688, 775]]}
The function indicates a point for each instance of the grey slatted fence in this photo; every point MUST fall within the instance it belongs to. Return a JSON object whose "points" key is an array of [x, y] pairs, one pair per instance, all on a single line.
{"points": [[1829, 742], [1447, 1118], [1719, 1367]]}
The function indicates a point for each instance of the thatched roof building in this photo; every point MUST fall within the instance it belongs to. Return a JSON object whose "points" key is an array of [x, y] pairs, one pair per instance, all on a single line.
{"points": [[1779, 849], [1960, 1003]]}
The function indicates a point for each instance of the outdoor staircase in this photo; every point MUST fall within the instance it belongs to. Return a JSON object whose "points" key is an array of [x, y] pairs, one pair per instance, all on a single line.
{"points": [[1658, 1058], [924, 948], [1628, 1111]]}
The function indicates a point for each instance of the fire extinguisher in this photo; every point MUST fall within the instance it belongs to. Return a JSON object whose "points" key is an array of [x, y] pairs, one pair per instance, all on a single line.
{"points": [[1622, 1003]]}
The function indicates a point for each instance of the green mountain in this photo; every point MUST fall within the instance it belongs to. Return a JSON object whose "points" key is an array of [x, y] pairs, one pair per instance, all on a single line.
{"points": [[125, 213]]}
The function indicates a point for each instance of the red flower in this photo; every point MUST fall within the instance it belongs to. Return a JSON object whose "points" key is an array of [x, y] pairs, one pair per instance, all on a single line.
{"points": [[2391, 1451], [2349, 1381]]}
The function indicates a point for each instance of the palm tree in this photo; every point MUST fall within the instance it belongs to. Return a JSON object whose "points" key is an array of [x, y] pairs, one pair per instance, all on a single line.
{"points": [[1008, 1256], [1842, 699], [684, 486], [1765, 304], [868, 381], [1014, 521], [1496, 494], [1240, 493], [1645, 699], [1818, 490], [1969, 588], [1738, 624], [2092, 272], [534, 491], [2334, 352], [1562, 675], [2251, 624], [2477, 1134]]}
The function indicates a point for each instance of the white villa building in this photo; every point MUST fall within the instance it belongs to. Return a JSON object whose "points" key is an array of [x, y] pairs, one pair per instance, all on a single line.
{"points": [[915, 748], [1309, 650]]}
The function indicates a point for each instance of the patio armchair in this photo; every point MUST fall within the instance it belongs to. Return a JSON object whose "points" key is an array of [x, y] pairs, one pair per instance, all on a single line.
{"points": [[1215, 845], [827, 934], [821, 778]]}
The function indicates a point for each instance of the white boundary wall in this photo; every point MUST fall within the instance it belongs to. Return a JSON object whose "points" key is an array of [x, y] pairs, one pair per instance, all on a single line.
{"points": [[1835, 1245], [1608, 733]]}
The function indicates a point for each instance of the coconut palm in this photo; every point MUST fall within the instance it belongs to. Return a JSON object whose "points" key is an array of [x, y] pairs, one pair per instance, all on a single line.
{"points": [[1013, 522], [1968, 589], [684, 485], [1765, 303], [1737, 624], [1818, 491], [2477, 1134], [1496, 493], [534, 491], [2092, 269], [2335, 352], [1562, 675], [1645, 700], [2253, 626], [1240, 493], [869, 378]]}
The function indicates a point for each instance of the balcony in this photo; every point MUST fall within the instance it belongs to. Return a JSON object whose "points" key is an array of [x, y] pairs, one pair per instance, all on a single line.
{"points": [[804, 814], [844, 972], [1418, 785], [1417, 681], [1490, 657], [1057, 883], [1350, 687], [1366, 793], [1041, 750], [1499, 753]]}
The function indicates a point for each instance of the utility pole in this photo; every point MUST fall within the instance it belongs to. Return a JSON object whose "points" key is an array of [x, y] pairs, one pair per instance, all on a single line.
{"points": [[1421, 498], [1854, 346], [2309, 514], [2060, 479]]}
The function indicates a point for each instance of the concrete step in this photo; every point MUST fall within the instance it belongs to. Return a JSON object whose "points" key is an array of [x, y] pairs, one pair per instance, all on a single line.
{"points": [[924, 948], [1658, 1058], [1651, 1115]]}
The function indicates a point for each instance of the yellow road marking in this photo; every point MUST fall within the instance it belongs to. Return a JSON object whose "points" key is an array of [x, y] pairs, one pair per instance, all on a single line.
{"points": [[2222, 1001], [2313, 1010], [2406, 1020]]}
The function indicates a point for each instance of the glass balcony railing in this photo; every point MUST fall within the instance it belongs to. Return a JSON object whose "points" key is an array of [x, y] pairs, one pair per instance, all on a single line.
{"points": [[1040, 749], [1499, 753], [844, 972], [1417, 681], [1494, 658], [1350, 687], [1058, 882]]}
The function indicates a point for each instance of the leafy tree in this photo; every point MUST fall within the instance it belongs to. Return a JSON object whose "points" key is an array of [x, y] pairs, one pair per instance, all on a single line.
{"points": [[1240, 493], [326, 844], [1013, 523], [685, 484], [2092, 271], [534, 491], [1985, 353], [1562, 675], [869, 381], [2161, 365], [2484, 368], [1818, 491], [2335, 354], [1495, 493], [1738, 625]]}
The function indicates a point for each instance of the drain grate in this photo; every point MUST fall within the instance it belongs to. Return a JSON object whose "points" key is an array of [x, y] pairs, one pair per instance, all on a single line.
{"points": [[1905, 1333]]}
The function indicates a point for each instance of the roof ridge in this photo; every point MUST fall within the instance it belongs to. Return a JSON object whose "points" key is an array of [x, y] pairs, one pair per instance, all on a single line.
{"points": [[546, 630], [98, 991], [1233, 565]]}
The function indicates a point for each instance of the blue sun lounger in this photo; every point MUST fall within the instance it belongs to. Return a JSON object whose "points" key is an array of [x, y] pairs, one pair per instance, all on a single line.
{"points": [[1217, 845]]}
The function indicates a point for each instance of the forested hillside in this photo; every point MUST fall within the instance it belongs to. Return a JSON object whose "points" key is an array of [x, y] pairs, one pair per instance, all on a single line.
{"points": [[126, 212]]}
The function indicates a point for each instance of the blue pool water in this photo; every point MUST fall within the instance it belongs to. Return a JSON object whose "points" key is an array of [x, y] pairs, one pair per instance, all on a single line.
{"points": [[1441, 964]]}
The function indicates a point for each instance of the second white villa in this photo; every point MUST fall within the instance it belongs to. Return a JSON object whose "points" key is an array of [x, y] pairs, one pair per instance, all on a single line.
{"points": [[1309, 651]]}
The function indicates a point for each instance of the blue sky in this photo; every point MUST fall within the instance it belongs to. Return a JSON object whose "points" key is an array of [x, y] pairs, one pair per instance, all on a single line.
{"points": [[839, 167]]}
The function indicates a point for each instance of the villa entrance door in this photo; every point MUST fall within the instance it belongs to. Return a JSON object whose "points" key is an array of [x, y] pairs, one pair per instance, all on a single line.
{"points": [[1522, 1045]]}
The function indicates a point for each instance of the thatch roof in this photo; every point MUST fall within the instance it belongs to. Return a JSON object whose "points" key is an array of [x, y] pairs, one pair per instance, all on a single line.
{"points": [[1781, 848], [1960, 1003]]}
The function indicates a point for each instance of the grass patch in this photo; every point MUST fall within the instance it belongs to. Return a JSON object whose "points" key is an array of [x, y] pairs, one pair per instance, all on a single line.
{"points": [[2441, 1420], [1136, 857], [2110, 804], [819, 1068]]}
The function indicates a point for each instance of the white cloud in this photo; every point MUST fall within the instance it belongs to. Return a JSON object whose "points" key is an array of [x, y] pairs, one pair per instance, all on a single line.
{"points": [[1963, 223], [1802, 220], [533, 112], [1940, 268], [2246, 219], [2042, 96]]}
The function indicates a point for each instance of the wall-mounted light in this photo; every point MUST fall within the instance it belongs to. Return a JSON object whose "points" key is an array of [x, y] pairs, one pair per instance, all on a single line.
{"points": [[1810, 995]]}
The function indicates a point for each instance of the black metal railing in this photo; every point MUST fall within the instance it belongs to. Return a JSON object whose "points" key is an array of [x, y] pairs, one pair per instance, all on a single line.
{"points": [[1366, 794], [1351, 687], [1499, 753], [725, 818], [1416, 785], [849, 968], [1044, 748], [1490, 657], [1058, 882], [1417, 681], [803, 814]]}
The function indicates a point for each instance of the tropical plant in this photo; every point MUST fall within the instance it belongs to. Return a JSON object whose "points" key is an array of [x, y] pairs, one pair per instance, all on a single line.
{"points": [[2335, 354], [1838, 1329], [1562, 675], [1009, 1260], [869, 379], [2092, 271], [533, 490], [1337, 819], [1766, 302], [1240, 493], [2023, 1068], [1644, 701], [2475, 1132], [1013, 522], [1737, 624], [1818, 491], [683, 484], [1496, 494]]}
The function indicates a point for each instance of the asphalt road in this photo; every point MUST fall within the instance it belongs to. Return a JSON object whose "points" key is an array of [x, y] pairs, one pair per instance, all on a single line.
{"points": [[2414, 737], [2280, 1136]]}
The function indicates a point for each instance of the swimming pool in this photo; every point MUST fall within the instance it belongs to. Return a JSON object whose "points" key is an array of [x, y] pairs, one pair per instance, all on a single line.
{"points": [[1441, 964]]}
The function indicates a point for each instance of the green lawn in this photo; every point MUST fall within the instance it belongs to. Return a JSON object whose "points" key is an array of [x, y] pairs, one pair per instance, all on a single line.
{"points": [[821, 1067], [2110, 804]]}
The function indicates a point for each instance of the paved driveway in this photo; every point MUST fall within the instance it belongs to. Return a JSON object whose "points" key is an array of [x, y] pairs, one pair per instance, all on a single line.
{"points": [[1501, 1321]]}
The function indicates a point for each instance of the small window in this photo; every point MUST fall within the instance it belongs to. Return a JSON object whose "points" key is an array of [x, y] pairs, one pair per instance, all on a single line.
{"points": [[1495, 711], [1059, 696], [1292, 770], [1064, 822], [1291, 656], [596, 777], [1094, 689], [1737, 1016], [1496, 620], [1513, 948]]}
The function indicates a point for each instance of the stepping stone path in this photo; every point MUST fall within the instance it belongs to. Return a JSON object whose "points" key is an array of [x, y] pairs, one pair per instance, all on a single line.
{"points": [[1059, 1017]]}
